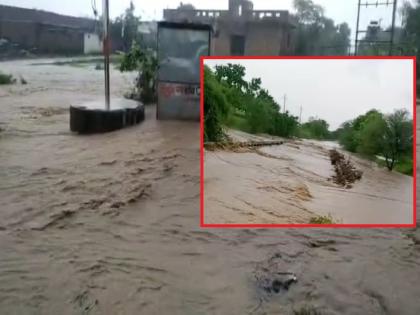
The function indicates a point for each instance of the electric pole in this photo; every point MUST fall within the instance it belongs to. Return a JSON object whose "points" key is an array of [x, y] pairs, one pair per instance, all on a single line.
{"points": [[106, 48], [300, 116], [284, 103]]}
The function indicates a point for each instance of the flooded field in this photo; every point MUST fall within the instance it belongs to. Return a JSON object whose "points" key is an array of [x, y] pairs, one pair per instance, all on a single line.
{"points": [[109, 224], [291, 183]]}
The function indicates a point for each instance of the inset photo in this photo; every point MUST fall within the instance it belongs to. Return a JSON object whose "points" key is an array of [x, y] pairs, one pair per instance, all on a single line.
{"points": [[308, 142]]}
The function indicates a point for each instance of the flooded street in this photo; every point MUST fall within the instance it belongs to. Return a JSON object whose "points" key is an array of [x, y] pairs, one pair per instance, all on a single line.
{"points": [[109, 224], [291, 183]]}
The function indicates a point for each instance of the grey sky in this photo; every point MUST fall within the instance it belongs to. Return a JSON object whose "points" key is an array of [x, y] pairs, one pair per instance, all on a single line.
{"points": [[334, 90], [339, 10]]}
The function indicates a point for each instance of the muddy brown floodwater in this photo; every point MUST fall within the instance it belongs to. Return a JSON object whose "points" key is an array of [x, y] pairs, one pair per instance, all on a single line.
{"points": [[109, 224], [291, 183]]}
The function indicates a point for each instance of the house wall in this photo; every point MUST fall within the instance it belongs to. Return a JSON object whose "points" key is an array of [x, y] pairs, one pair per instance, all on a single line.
{"points": [[263, 39], [266, 32]]}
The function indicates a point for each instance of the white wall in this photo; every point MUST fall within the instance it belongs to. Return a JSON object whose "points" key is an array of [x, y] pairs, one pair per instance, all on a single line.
{"points": [[92, 43]]}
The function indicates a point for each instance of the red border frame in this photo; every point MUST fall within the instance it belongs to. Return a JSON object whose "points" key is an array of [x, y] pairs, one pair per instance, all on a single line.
{"points": [[204, 225]]}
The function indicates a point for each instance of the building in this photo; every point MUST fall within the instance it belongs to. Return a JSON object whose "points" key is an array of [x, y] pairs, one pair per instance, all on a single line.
{"points": [[47, 32], [241, 30]]}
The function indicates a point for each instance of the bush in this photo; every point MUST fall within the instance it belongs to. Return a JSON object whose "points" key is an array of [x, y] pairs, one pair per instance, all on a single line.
{"points": [[6, 78], [216, 108], [405, 166], [307, 310], [322, 219], [145, 63]]}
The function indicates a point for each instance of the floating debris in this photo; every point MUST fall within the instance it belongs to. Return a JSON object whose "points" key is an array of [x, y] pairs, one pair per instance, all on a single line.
{"points": [[345, 172], [238, 146]]}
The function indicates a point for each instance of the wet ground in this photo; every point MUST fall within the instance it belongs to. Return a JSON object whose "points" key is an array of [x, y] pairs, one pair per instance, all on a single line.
{"points": [[291, 183], [109, 224]]}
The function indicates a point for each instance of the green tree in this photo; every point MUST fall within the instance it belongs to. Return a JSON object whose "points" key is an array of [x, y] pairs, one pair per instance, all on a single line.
{"points": [[125, 27], [259, 116], [411, 27], [371, 135], [315, 128], [216, 107], [186, 6], [317, 34], [145, 63], [307, 12], [233, 75], [398, 137]]}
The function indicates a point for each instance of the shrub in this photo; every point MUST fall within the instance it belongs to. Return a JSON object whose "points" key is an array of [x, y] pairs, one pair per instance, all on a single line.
{"points": [[322, 219], [216, 108], [6, 78]]}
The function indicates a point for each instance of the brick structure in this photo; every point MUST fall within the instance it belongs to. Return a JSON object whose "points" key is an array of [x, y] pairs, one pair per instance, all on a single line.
{"points": [[43, 31], [241, 30]]}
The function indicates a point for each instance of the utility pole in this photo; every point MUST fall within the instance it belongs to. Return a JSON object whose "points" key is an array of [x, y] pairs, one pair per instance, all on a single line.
{"points": [[106, 48], [300, 116], [391, 46], [356, 41], [284, 103]]}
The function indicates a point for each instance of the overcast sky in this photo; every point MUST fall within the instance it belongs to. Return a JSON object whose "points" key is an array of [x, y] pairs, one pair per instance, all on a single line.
{"points": [[334, 90], [339, 10]]}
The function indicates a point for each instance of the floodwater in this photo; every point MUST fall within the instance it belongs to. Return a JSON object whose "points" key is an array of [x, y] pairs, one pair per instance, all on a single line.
{"points": [[109, 224], [290, 183]]}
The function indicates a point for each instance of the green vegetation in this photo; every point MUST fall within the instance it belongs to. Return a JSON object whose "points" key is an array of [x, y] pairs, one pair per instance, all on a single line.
{"points": [[307, 310], [315, 129], [317, 34], [216, 108], [322, 219], [376, 135], [6, 78], [145, 63], [230, 100]]}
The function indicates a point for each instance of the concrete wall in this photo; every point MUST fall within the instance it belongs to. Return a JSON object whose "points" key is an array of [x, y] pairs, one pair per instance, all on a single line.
{"points": [[44, 38], [263, 39], [53, 40], [24, 34], [92, 43], [31, 15]]}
